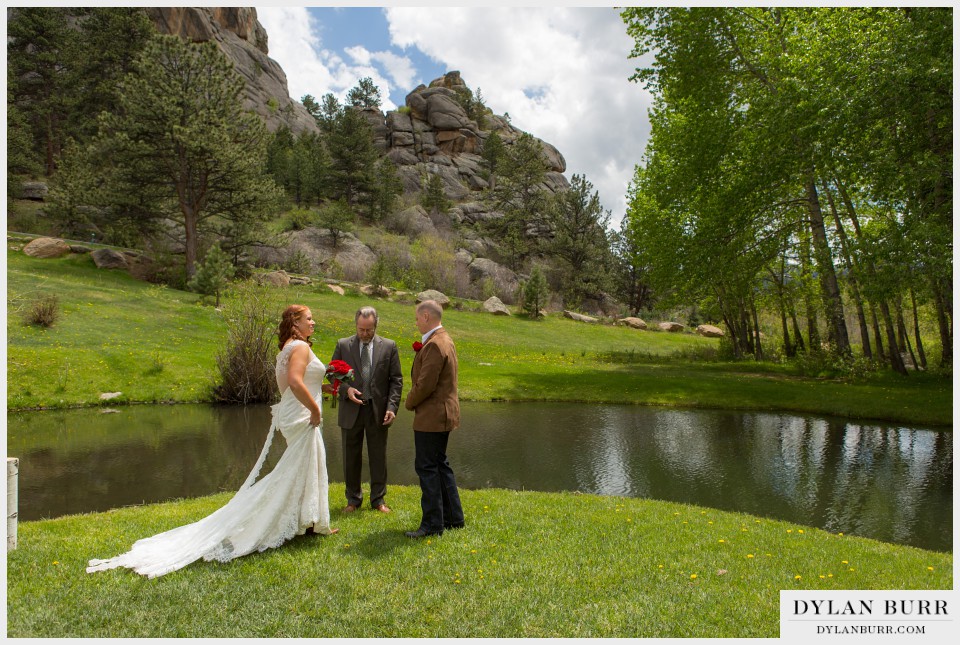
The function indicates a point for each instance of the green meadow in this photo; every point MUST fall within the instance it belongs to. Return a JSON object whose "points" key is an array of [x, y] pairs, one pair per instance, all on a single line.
{"points": [[156, 344]]}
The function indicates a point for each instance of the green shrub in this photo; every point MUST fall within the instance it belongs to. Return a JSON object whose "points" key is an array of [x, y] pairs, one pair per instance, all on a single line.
{"points": [[298, 263], [299, 218]]}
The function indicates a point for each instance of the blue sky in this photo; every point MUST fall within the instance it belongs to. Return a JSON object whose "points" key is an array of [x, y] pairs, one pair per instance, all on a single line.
{"points": [[343, 29], [560, 72]]}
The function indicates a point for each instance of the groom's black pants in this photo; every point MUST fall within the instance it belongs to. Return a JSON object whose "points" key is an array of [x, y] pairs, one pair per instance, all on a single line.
{"points": [[439, 499]]}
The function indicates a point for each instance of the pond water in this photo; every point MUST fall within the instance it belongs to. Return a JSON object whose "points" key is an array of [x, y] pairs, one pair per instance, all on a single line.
{"points": [[882, 481]]}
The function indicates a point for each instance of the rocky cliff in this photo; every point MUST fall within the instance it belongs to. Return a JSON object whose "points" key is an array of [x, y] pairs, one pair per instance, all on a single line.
{"points": [[243, 39], [433, 134]]}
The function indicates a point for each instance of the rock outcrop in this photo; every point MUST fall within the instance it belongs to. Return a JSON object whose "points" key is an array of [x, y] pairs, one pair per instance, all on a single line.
{"points": [[238, 33], [433, 134]]}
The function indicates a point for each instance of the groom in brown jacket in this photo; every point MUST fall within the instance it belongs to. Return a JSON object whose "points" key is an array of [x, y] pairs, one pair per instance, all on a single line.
{"points": [[433, 398]]}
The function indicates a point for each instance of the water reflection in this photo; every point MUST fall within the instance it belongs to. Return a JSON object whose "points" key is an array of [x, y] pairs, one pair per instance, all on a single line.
{"points": [[887, 482]]}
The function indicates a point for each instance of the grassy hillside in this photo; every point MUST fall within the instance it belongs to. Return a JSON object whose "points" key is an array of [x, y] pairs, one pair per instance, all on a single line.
{"points": [[152, 343]]}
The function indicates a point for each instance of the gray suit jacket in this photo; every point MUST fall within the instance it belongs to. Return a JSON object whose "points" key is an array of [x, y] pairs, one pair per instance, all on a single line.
{"points": [[386, 383]]}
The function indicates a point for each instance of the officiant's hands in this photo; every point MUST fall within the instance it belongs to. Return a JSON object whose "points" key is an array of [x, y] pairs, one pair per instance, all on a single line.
{"points": [[352, 393], [389, 417]]}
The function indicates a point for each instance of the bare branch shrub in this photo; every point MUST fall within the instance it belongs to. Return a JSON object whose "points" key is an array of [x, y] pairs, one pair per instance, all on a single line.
{"points": [[246, 362], [44, 311]]}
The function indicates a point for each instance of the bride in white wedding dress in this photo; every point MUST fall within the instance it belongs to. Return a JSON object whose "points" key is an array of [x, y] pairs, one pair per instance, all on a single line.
{"points": [[264, 513]]}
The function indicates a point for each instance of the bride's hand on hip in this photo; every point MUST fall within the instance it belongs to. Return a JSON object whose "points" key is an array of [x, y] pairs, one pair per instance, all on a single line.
{"points": [[316, 418]]}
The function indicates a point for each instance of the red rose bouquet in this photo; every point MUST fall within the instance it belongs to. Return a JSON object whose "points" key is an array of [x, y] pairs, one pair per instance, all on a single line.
{"points": [[417, 346], [338, 372]]}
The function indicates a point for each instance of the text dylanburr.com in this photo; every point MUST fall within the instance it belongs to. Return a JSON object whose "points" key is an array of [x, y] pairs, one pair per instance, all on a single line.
{"points": [[880, 616]]}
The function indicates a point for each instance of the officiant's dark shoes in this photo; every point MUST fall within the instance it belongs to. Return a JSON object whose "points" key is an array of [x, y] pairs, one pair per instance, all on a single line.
{"points": [[421, 532]]}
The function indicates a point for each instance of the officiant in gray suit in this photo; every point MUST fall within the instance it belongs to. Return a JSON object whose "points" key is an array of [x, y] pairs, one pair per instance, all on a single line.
{"points": [[368, 407]]}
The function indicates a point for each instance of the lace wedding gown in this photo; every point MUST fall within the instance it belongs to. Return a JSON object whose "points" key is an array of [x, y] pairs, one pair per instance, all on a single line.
{"points": [[262, 514]]}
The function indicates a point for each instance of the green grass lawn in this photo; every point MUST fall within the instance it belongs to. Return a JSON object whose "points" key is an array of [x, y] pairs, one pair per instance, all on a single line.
{"points": [[153, 343], [527, 565]]}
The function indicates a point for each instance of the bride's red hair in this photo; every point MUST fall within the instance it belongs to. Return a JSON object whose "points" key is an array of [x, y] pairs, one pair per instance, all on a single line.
{"points": [[286, 331]]}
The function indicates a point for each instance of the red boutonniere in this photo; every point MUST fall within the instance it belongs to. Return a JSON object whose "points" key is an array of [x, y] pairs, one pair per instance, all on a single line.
{"points": [[417, 346], [338, 372]]}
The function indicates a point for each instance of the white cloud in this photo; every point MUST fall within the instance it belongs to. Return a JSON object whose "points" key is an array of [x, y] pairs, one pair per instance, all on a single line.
{"points": [[400, 69], [312, 69], [561, 73]]}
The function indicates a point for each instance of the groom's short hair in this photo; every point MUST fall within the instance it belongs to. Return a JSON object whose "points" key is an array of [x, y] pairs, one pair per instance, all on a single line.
{"points": [[436, 311], [367, 312]]}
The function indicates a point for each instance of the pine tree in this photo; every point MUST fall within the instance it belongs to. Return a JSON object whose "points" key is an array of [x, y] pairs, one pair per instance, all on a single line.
{"points": [[580, 242], [520, 196], [41, 47], [364, 95], [352, 155], [385, 191], [432, 196], [338, 218], [213, 274], [535, 293], [181, 147], [493, 151]]}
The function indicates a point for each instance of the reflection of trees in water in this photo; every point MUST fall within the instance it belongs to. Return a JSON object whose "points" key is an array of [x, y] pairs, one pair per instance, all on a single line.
{"points": [[893, 484]]}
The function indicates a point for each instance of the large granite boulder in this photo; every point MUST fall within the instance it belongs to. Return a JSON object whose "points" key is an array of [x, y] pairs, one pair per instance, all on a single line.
{"points": [[412, 221], [274, 278], [316, 246], [47, 247], [34, 190], [709, 331], [109, 259], [631, 321], [493, 305], [484, 268], [572, 315], [670, 326], [433, 294]]}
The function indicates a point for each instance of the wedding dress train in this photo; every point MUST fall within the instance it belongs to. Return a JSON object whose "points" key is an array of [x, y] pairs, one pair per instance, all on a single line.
{"points": [[264, 513]]}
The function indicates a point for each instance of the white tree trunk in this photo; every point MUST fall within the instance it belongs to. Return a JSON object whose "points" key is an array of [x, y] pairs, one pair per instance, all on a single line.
{"points": [[13, 467]]}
